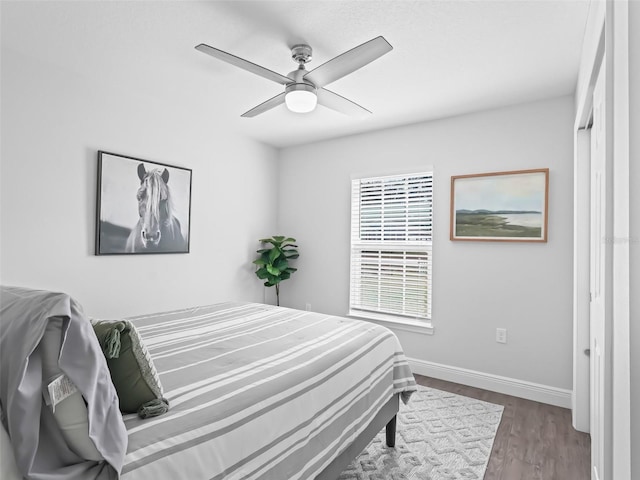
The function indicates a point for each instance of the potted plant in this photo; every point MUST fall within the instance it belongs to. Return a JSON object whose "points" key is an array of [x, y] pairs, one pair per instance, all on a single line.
{"points": [[273, 263]]}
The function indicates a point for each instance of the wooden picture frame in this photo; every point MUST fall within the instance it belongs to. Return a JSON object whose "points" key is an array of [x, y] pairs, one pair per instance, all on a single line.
{"points": [[143, 207], [507, 206]]}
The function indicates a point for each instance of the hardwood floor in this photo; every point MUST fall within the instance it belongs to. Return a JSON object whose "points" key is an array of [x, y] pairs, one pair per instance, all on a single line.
{"points": [[535, 441]]}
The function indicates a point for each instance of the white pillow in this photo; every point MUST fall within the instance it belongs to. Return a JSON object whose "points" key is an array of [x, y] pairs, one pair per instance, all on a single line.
{"points": [[71, 413]]}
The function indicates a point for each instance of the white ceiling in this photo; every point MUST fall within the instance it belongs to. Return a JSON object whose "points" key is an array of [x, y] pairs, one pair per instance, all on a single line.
{"points": [[449, 57]]}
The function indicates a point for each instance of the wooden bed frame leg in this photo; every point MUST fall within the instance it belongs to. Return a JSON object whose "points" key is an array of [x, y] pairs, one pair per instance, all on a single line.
{"points": [[391, 432]]}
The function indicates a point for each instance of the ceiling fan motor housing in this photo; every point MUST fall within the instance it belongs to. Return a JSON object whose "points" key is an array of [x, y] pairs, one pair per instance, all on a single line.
{"points": [[303, 86], [299, 83]]}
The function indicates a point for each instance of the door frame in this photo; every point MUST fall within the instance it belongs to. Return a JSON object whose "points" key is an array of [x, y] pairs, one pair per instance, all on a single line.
{"points": [[618, 67], [607, 31], [580, 402]]}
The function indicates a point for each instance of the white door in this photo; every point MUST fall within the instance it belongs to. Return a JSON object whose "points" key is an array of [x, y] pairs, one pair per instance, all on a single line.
{"points": [[597, 279]]}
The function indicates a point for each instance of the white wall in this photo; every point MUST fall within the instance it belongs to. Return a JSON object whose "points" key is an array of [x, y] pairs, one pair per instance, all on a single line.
{"points": [[56, 114], [634, 210], [526, 288]]}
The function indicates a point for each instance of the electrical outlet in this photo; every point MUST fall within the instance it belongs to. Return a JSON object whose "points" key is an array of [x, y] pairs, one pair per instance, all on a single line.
{"points": [[308, 307], [501, 335]]}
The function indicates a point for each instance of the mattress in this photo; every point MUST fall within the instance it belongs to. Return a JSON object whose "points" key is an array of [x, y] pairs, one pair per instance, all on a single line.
{"points": [[260, 392]]}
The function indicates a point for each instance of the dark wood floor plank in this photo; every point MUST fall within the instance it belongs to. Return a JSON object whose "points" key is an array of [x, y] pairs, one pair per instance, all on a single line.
{"points": [[497, 460], [516, 469], [534, 441]]}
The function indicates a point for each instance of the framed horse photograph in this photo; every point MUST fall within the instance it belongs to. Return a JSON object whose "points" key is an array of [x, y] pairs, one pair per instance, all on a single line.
{"points": [[143, 206]]}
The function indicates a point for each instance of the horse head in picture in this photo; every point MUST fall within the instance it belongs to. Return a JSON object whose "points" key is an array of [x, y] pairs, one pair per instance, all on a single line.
{"points": [[157, 230]]}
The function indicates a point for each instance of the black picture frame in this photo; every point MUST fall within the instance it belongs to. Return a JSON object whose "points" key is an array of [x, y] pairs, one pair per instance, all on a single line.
{"points": [[143, 206]]}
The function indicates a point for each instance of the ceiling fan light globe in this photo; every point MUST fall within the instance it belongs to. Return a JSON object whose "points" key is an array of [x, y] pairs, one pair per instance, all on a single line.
{"points": [[300, 101], [301, 98]]}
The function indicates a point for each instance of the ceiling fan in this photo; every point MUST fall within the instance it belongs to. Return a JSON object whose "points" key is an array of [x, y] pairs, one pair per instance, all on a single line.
{"points": [[303, 89]]}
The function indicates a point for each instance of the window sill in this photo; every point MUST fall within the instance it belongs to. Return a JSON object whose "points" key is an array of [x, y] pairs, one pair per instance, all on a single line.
{"points": [[424, 327]]}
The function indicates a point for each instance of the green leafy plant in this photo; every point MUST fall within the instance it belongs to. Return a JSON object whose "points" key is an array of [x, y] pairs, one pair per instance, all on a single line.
{"points": [[273, 263]]}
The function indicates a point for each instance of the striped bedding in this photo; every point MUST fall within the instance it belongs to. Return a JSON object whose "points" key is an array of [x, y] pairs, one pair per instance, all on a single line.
{"points": [[260, 392]]}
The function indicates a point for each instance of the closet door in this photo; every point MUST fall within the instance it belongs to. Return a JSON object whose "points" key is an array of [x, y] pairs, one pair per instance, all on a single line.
{"points": [[598, 270]]}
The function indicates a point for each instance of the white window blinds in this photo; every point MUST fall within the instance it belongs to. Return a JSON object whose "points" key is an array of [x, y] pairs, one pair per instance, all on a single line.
{"points": [[391, 221]]}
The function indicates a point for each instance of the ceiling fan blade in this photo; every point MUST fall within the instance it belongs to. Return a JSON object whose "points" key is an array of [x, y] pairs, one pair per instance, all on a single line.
{"points": [[340, 104], [244, 64], [264, 106], [348, 62]]}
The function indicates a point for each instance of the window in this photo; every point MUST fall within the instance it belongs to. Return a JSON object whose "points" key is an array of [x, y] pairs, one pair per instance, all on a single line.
{"points": [[391, 221]]}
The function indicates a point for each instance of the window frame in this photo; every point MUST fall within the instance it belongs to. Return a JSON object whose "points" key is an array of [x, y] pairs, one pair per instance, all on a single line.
{"points": [[399, 320]]}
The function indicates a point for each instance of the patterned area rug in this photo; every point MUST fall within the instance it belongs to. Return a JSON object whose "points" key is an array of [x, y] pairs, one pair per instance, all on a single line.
{"points": [[440, 436]]}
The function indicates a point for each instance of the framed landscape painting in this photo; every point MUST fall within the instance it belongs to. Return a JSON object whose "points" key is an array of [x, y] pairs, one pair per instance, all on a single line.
{"points": [[500, 206], [143, 206]]}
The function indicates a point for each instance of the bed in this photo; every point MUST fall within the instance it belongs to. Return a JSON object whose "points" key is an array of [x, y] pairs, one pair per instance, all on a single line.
{"points": [[257, 391]]}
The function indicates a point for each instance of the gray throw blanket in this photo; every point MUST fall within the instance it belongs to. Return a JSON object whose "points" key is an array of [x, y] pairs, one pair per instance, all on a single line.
{"points": [[39, 446]]}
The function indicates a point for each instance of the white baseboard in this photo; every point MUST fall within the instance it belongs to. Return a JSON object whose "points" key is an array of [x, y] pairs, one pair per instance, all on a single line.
{"points": [[495, 383]]}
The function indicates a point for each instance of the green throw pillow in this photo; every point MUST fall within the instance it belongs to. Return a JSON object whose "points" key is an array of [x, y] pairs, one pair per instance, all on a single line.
{"points": [[132, 371]]}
